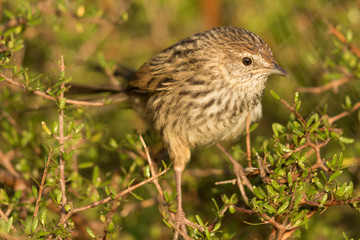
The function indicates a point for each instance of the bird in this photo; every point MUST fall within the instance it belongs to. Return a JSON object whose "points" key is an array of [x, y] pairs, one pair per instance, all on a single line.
{"points": [[200, 90]]}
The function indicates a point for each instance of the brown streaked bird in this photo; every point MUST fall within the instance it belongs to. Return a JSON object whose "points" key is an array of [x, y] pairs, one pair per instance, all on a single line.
{"points": [[200, 90]]}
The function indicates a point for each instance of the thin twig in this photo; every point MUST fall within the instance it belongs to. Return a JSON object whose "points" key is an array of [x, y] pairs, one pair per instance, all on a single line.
{"points": [[344, 114], [152, 168], [61, 143], [108, 199], [248, 144], [342, 38], [331, 85], [120, 97], [42, 184]]}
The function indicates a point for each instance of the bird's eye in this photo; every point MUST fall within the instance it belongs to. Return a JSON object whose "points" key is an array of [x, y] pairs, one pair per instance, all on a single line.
{"points": [[247, 61]]}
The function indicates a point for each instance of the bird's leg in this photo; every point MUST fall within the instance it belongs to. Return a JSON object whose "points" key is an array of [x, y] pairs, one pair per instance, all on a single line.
{"points": [[180, 214]]}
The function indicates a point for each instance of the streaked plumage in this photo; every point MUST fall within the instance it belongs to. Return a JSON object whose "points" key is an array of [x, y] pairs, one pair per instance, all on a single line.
{"points": [[200, 90]]}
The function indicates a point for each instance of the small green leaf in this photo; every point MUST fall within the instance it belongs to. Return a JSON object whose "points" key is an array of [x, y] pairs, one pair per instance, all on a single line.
{"points": [[296, 96], [46, 129], [9, 224], [348, 102], [79, 127], [314, 126], [147, 172], [199, 220], [275, 95], [323, 199], [167, 224], [334, 175], [85, 165], [346, 140], [137, 196], [34, 225], [257, 193], [310, 121], [34, 191], [55, 127], [216, 205], [297, 105], [270, 208], [62, 104], [216, 227], [231, 209], [90, 232], [283, 207], [43, 217]]}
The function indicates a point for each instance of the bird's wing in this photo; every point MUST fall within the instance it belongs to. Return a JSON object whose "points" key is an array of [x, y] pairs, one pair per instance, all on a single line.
{"points": [[155, 75]]}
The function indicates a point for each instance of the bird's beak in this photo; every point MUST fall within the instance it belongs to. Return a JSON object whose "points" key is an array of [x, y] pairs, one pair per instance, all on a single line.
{"points": [[278, 70]]}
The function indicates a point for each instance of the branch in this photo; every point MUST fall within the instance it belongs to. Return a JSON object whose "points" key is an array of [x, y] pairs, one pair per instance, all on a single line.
{"points": [[108, 199], [62, 142], [331, 85], [119, 98], [41, 187], [344, 114], [342, 38]]}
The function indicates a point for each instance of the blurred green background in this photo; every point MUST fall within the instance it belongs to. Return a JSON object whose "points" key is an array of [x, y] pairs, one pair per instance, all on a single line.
{"points": [[128, 32]]}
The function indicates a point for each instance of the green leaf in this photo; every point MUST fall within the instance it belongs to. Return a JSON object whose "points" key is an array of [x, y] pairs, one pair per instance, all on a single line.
{"points": [[34, 225], [137, 196], [85, 165], [346, 140], [283, 207], [314, 126], [217, 226], [43, 217], [297, 105], [45, 127], [90, 232], [334, 175], [95, 176], [323, 199], [147, 172], [270, 208], [296, 96], [199, 220], [9, 224], [215, 203], [34, 191], [62, 104], [79, 127], [257, 193], [231, 209], [167, 224], [275, 95], [310, 121]]}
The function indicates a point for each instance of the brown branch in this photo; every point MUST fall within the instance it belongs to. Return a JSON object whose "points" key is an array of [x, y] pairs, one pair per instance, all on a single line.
{"points": [[152, 168], [344, 114], [108, 199], [61, 143], [329, 203], [121, 97], [342, 38], [331, 85], [42, 184], [293, 110], [248, 144]]}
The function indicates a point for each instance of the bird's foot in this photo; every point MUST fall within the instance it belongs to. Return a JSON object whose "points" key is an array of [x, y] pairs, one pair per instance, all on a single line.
{"points": [[180, 224]]}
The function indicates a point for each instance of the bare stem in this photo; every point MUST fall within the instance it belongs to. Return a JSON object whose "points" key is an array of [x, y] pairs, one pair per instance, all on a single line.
{"points": [[120, 98], [108, 199], [42, 184], [61, 142]]}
